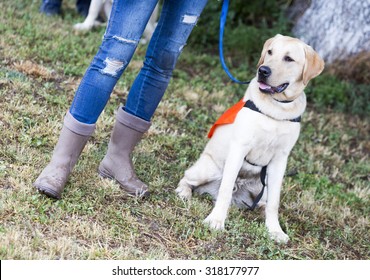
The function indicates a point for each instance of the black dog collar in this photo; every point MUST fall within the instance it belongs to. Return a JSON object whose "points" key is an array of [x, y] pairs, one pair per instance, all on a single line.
{"points": [[250, 105]]}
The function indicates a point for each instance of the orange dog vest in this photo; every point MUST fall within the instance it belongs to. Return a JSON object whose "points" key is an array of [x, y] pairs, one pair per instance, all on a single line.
{"points": [[227, 117]]}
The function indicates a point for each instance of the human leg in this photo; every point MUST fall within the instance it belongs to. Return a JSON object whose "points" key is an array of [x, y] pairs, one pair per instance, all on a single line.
{"points": [[72, 140], [117, 163], [176, 22], [121, 38], [125, 27], [51, 7]]}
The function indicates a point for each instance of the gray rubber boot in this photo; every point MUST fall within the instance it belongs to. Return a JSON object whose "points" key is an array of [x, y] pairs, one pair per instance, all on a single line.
{"points": [[72, 140], [117, 163]]}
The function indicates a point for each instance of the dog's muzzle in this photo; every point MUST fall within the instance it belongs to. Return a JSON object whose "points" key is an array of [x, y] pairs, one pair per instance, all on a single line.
{"points": [[263, 73]]}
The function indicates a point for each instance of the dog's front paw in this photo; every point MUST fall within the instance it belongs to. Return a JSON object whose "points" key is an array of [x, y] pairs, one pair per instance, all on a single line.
{"points": [[279, 236], [82, 27], [184, 190], [215, 222]]}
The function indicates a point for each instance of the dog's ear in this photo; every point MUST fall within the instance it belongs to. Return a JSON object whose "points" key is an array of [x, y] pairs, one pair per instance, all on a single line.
{"points": [[314, 64], [266, 47]]}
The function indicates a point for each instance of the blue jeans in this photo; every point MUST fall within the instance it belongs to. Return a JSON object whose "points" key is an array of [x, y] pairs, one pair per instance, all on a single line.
{"points": [[125, 28]]}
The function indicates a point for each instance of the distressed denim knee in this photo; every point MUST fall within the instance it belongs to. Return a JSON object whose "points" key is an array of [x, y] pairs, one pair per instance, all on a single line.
{"points": [[164, 61], [114, 55], [100, 78]]}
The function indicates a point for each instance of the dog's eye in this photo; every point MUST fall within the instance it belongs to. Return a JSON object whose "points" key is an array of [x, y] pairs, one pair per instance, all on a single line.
{"points": [[288, 59], [269, 52]]}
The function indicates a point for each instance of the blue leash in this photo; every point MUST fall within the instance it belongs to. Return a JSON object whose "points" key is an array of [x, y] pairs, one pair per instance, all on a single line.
{"points": [[224, 11]]}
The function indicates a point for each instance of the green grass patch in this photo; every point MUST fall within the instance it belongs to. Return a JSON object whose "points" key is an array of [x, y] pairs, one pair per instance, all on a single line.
{"points": [[325, 201]]}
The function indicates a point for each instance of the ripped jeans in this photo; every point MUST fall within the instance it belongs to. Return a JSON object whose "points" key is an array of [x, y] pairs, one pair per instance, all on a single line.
{"points": [[125, 28]]}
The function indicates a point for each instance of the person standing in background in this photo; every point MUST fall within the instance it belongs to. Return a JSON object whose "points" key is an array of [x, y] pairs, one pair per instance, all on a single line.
{"points": [[54, 7]]}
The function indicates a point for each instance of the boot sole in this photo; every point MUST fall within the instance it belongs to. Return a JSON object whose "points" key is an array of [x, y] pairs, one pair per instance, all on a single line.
{"points": [[104, 175], [48, 192]]}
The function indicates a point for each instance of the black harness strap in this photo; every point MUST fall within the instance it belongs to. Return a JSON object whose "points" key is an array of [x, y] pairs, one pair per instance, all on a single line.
{"points": [[250, 105], [259, 196]]}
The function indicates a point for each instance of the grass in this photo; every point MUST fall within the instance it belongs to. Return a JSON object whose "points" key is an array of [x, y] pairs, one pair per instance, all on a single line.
{"points": [[324, 205]]}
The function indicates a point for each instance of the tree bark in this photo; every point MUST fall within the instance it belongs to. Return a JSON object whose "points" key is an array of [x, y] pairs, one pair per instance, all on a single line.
{"points": [[337, 29]]}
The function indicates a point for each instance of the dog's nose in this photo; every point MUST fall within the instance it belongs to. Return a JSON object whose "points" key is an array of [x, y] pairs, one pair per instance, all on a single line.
{"points": [[264, 71]]}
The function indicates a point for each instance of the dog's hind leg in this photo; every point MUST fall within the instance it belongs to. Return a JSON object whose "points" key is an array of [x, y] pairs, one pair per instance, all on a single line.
{"points": [[107, 8], [90, 21], [203, 172]]}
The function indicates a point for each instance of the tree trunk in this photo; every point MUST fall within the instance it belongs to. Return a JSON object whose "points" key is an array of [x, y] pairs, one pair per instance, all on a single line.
{"points": [[337, 29]]}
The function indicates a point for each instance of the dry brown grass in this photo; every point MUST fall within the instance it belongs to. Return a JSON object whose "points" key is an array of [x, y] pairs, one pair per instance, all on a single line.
{"points": [[355, 68], [33, 69]]}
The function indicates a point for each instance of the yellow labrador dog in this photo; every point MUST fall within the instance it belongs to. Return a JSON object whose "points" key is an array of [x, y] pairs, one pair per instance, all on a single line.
{"points": [[260, 138]]}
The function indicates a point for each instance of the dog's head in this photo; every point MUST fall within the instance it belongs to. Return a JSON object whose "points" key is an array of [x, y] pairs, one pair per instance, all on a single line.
{"points": [[286, 66]]}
